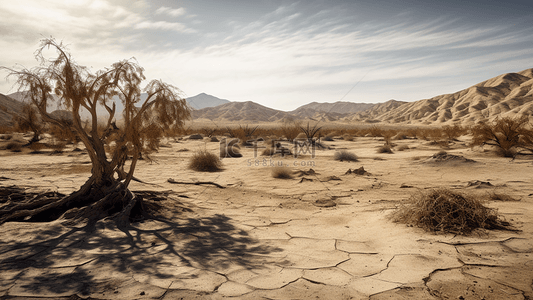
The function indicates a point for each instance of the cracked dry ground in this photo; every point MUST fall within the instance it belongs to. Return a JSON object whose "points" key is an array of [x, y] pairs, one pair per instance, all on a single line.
{"points": [[266, 238]]}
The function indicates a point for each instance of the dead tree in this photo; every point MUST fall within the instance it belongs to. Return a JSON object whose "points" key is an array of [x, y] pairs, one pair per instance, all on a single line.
{"points": [[105, 193]]}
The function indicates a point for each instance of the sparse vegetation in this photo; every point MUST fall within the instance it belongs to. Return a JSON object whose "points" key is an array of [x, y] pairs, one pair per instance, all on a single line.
{"points": [[453, 132], [29, 120], [448, 211], [282, 172], [310, 132], [205, 161], [509, 136], [385, 149], [344, 155], [106, 191]]}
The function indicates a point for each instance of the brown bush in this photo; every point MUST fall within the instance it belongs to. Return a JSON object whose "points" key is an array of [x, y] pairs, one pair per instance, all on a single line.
{"points": [[385, 149], [281, 172], [509, 136], [448, 211], [205, 161], [344, 155], [453, 132]]}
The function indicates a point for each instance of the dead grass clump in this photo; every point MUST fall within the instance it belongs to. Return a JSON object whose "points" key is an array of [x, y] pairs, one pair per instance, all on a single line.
{"points": [[344, 155], [205, 161], [281, 173], [385, 149], [448, 211]]}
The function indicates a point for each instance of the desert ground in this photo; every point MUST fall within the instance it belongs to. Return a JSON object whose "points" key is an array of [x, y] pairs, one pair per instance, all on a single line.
{"points": [[324, 234]]}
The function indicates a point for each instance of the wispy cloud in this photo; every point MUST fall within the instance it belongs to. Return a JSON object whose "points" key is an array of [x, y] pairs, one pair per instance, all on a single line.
{"points": [[283, 58], [164, 10]]}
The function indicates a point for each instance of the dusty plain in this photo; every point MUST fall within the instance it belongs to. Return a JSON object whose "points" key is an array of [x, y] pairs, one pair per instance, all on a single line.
{"points": [[326, 235]]}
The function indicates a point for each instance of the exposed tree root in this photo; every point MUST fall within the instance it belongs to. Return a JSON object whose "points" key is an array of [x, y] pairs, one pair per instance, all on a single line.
{"points": [[85, 206], [170, 180]]}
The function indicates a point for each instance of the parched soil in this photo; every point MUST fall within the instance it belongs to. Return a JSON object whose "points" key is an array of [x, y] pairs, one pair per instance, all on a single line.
{"points": [[252, 236]]}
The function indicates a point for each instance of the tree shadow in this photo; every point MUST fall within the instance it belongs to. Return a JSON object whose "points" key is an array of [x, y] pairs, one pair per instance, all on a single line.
{"points": [[52, 259]]}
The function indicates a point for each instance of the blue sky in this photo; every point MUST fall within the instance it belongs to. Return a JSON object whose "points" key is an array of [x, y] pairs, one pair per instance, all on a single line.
{"points": [[283, 54]]}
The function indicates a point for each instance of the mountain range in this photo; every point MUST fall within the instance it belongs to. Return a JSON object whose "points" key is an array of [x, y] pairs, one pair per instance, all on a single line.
{"points": [[506, 95]]}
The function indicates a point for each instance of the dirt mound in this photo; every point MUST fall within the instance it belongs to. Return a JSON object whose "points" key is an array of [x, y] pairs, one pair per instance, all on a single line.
{"points": [[443, 157], [301, 173], [360, 171]]}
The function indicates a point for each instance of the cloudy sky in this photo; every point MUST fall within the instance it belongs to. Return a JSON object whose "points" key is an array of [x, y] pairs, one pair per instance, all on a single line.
{"points": [[279, 53]]}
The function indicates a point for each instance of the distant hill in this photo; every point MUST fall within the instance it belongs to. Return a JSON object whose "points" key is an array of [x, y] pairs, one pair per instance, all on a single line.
{"points": [[204, 100], [240, 111], [507, 95], [370, 115], [8, 107], [339, 107]]}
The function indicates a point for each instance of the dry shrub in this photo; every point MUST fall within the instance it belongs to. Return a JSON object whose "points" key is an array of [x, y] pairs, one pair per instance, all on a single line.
{"points": [[14, 146], [384, 149], [448, 211], [344, 155], [290, 131], [281, 172], [453, 132], [375, 131], [205, 161]]}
